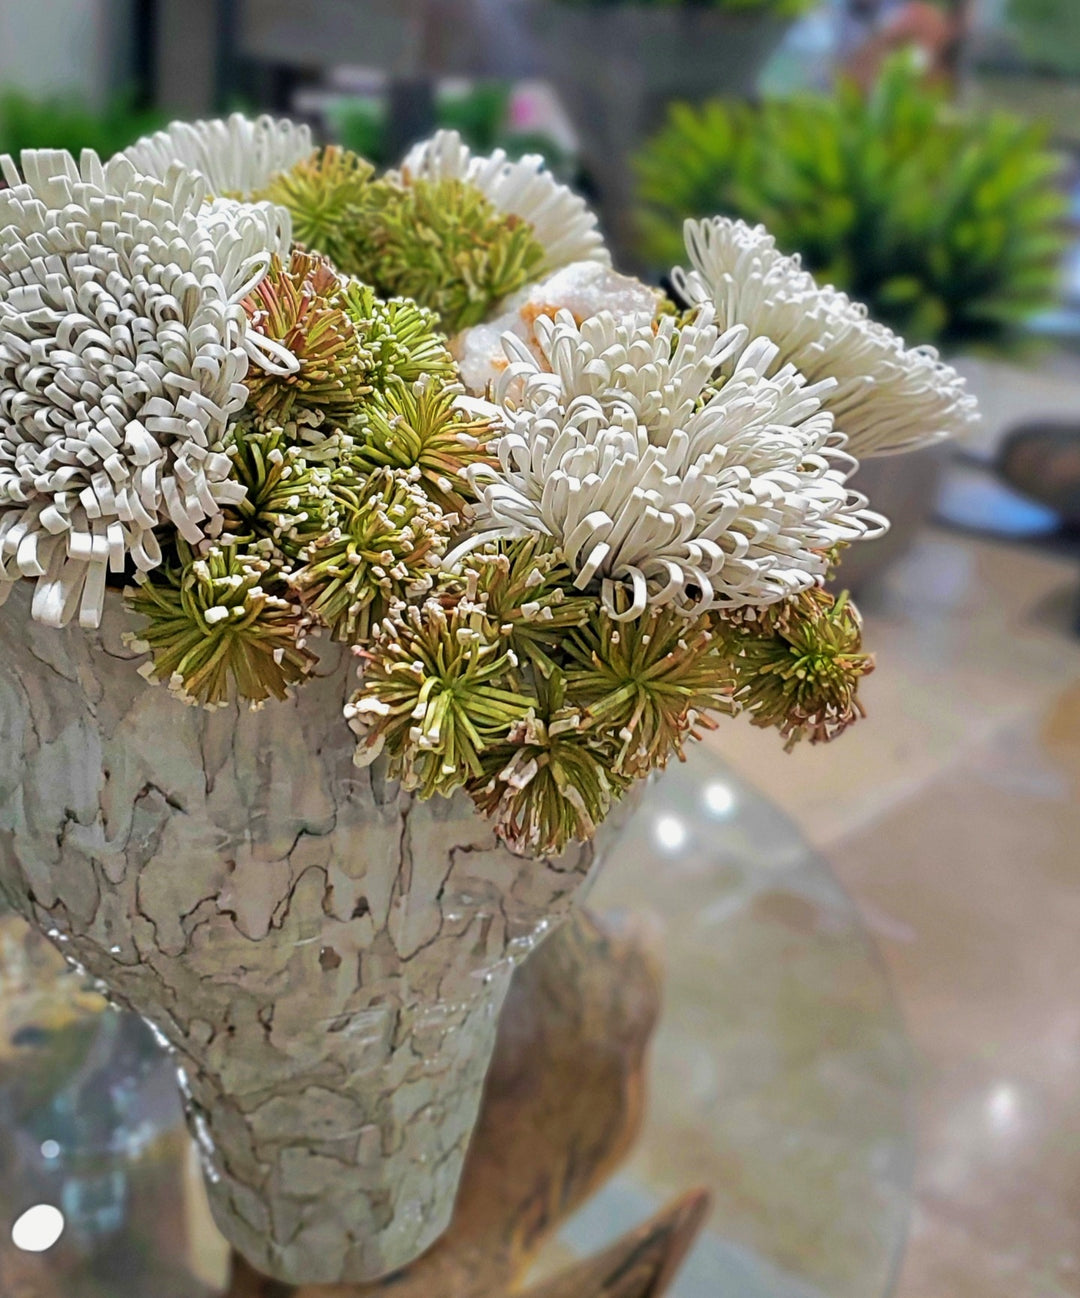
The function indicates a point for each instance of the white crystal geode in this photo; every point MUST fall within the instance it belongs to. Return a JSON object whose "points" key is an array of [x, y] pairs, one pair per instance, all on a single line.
{"points": [[325, 954]]}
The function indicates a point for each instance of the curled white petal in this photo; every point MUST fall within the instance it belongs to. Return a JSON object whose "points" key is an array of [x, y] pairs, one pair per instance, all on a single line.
{"points": [[122, 359], [661, 486], [561, 220], [888, 397], [236, 156], [583, 288]]}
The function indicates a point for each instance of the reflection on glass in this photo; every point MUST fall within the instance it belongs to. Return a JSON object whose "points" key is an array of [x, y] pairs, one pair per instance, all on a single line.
{"points": [[38, 1229], [719, 799], [670, 833]]}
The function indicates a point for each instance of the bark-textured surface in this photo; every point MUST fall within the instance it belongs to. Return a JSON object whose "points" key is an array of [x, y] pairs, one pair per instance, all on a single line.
{"points": [[562, 1105], [326, 955]]}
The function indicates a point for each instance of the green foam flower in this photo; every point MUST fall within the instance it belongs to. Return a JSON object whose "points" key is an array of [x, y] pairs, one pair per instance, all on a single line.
{"points": [[446, 246], [547, 784], [301, 308], [402, 338], [645, 684], [421, 426], [286, 502], [381, 550], [434, 697], [439, 241], [221, 624], [323, 195], [525, 588], [797, 665]]}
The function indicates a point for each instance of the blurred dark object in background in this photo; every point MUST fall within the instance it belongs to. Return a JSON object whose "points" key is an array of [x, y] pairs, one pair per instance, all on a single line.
{"points": [[1042, 461], [617, 71], [936, 29]]}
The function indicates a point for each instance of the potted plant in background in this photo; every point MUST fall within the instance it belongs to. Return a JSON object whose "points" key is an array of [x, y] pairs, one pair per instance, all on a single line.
{"points": [[58, 123], [948, 225], [618, 63], [1047, 33]]}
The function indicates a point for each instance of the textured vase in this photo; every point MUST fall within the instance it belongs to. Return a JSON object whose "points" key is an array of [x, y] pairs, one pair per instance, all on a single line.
{"points": [[325, 954]]}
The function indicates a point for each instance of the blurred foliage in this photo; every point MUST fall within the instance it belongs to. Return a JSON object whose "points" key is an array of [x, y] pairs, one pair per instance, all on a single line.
{"points": [[785, 8], [950, 227], [480, 113], [1048, 32], [63, 123]]}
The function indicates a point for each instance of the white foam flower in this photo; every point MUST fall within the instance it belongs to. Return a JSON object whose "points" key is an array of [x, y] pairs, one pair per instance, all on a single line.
{"points": [[236, 156], [123, 349], [584, 288], [561, 221], [669, 490], [888, 397]]}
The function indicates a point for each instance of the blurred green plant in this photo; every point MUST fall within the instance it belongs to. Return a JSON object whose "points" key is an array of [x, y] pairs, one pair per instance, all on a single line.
{"points": [[1048, 32], [948, 226], [64, 123]]}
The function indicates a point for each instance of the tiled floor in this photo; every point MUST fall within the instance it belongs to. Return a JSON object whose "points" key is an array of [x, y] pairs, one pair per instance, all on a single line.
{"points": [[952, 815]]}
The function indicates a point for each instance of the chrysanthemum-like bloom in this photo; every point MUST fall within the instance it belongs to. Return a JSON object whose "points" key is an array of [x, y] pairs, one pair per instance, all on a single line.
{"points": [[123, 347], [220, 622], [583, 288], [382, 550], [668, 490], [237, 156], [300, 306], [561, 221], [795, 665], [888, 397]]}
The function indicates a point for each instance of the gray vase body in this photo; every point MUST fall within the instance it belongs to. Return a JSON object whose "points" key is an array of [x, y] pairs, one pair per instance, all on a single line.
{"points": [[325, 954]]}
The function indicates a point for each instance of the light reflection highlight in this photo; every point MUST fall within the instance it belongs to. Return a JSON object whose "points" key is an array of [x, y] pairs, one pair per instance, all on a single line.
{"points": [[670, 833], [38, 1229], [719, 799], [1003, 1108]]}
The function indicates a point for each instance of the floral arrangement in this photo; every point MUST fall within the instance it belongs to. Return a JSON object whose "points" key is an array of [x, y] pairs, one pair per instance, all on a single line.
{"points": [[949, 224], [271, 399]]}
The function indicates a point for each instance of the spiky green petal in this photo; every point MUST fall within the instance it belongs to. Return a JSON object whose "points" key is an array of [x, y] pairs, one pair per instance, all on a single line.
{"points": [[442, 243], [421, 426], [433, 697], [548, 784], [445, 245], [403, 338], [286, 504], [382, 550], [220, 625], [323, 195], [526, 589], [645, 684], [797, 665], [301, 307]]}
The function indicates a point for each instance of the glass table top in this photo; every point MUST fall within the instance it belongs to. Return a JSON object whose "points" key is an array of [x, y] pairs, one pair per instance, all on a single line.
{"points": [[780, 1079]]}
